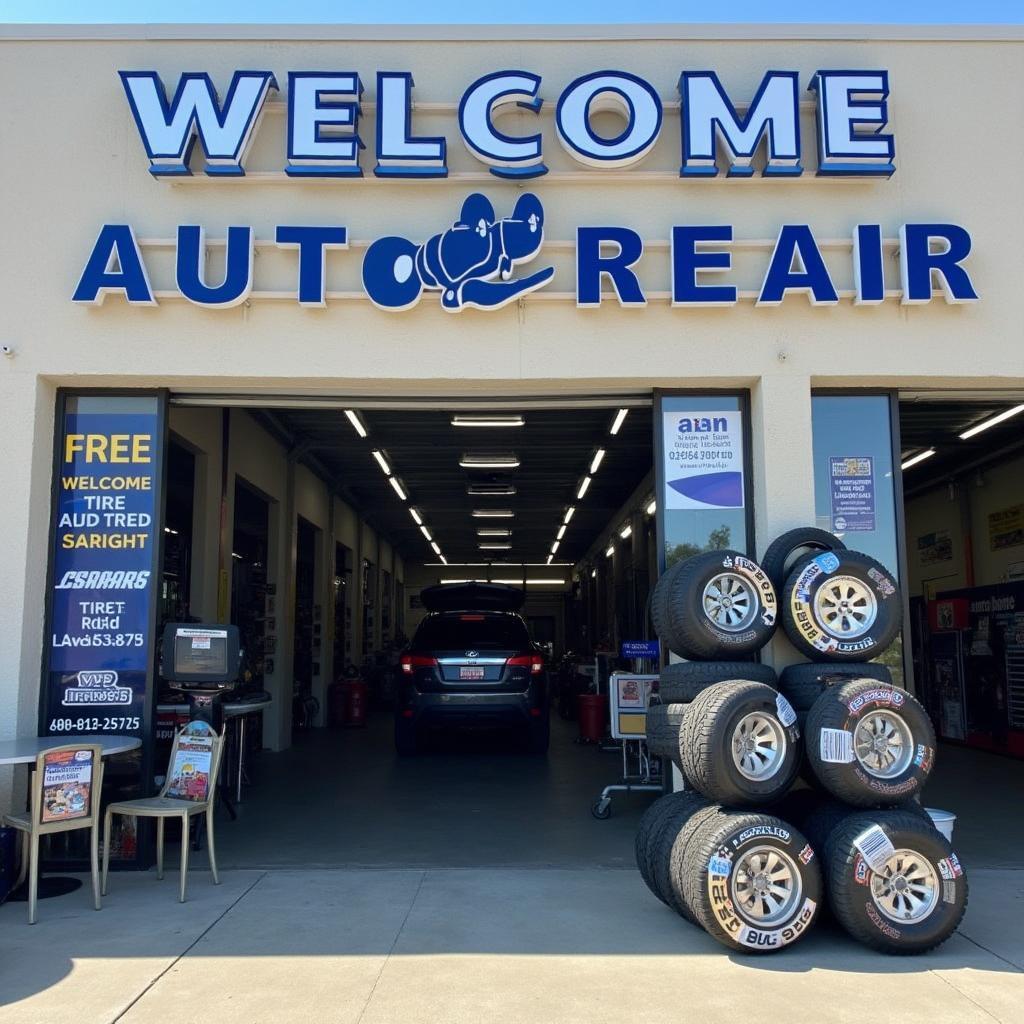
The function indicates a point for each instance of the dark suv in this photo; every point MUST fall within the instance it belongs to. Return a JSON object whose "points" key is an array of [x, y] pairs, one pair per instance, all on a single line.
{"points": [[472, 664]]}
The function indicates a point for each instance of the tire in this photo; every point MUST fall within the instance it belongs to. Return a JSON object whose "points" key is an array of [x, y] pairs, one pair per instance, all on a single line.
{"points": [[823, 820], [785, 551], [682, 682], [804, 684], [681, 856], [841, 606], [663, 724], [718, 748], [845, 749], [649, 821], [407, 742], [725, 856], [658, 600], [874, 911], [661, 840], [702, 621]]}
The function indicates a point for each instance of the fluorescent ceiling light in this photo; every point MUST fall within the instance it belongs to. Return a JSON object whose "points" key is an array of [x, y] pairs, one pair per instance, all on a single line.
{"points": [[437, 550], [593, 574], [381, 461], [561, 532], [554, 547], [493, 513], [493, 532], [512, 582], [494, 547], [620, 416], [471, 460], [426, 533], [979, 427], [625, 531], [488, 421], [491, 490], [549, 559], [596, 460], [610, 551], [393, 480], [919, 457], [652, 507], [167, 529], [443, 559], [357, 423], [583, 488], [569, 513], [415, 517]]}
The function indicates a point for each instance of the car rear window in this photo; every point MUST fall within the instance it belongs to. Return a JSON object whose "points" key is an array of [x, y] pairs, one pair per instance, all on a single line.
{"points": [[471, 629]]}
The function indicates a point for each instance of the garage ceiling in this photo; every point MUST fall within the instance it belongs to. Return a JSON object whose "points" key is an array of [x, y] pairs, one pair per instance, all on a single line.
{"points": [[938, 424], [554, 448]]}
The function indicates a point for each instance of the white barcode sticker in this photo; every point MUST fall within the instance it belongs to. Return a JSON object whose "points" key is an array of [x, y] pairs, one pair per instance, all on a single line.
{"points": [[875, 847], [787, 716], [836, 746]]}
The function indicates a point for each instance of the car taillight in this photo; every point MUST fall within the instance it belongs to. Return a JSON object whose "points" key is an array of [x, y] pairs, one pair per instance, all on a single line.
{"points": [[414, 661], [534, 662]]}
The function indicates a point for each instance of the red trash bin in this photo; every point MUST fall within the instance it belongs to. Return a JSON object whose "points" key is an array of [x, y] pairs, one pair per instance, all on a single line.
{"points": [[593, 716], [356, 697]]}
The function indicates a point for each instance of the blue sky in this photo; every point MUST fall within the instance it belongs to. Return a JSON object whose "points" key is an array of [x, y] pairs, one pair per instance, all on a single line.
{"points": [[529, 11]]}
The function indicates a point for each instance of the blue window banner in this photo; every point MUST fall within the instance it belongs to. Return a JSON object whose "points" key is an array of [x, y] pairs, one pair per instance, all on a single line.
{"points": [[640, 649], [104, 572]]}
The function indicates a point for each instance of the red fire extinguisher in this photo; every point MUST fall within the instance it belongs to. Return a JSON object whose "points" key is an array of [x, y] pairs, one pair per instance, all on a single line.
{"points": [[356, 694]]}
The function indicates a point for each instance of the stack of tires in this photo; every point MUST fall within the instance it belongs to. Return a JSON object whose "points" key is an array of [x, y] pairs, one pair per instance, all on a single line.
{"points": [[739, 852]]}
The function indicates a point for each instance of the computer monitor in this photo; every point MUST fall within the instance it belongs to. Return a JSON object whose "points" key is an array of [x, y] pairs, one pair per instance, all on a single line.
{"points": [[200, 653]]}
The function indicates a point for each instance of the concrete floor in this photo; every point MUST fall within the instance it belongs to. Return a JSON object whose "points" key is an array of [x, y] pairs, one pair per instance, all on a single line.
{"points": [[467, 886], [554, 946], [341, 798]]}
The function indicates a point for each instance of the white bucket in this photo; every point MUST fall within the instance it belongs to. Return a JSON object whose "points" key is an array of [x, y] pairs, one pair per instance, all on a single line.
{"points": [[943, 821]]}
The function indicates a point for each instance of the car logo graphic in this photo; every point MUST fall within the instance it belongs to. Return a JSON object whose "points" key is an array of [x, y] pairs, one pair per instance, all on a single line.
{"points": [[472, 654]]}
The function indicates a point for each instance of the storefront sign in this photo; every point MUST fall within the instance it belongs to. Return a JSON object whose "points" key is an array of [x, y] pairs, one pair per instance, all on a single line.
{"points": [[852, 481], [472, 262], [640, 649], [703, 459], [104, 535], [935, 547]]}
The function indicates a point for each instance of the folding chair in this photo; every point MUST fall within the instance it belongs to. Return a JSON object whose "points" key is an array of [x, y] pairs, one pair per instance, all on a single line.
{"points": [[189, 788], [65, 795]]}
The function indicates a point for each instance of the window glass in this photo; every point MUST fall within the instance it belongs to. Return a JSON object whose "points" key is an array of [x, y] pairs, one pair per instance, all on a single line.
{"points": [[471, 629], [702, 479], [854, 491]]}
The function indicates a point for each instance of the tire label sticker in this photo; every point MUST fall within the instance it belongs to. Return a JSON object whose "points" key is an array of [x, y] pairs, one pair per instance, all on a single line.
{"points": [[787, 716], [806, 855], [836, 746], [949, 867], [875, 847], [773, 831], [949, 891], [827, 562], [923, 757], [885, 585], [760, 582], [880, 695], [720, 866], [759, 938]]}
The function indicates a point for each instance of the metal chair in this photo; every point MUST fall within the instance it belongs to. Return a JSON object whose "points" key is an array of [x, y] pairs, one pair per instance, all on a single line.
{"points": [[190, 788], [65, 796]]}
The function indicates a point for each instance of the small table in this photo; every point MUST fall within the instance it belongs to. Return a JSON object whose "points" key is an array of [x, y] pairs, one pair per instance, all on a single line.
{"points": [[25, 750]]}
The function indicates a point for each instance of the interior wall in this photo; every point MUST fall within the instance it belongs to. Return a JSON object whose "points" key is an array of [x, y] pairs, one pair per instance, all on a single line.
{"points": [[995, 489]]}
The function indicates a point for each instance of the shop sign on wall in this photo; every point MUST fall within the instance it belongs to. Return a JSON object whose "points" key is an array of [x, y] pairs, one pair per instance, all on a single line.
{"points": [[472, 262], [852, 482], [102, 588], [703, 459], [1006, 528], [933, 547]]}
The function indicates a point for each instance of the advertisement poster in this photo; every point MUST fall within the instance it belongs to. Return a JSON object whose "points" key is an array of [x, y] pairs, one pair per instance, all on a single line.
{"points": [[935, 547], [630, 695], [190, 772], [703, 459], [104, 534], [1006, 528], [67, 783], [852, 486]]}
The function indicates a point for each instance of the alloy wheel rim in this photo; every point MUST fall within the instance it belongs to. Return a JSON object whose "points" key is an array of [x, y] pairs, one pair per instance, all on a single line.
{"points": [[729, 602], [845, 607], [758, 746], [882, 744], [765, 886], [906, 889]]}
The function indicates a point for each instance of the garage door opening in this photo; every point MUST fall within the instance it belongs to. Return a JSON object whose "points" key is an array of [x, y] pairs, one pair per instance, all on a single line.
{"points": [[344, 518]]}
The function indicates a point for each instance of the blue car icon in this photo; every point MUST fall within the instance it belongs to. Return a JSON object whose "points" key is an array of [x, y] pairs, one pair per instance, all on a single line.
{"points": [[461, 262]]}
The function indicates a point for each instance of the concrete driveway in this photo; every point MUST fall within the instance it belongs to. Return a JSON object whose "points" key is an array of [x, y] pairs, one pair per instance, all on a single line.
{"points": [[452, 946]]}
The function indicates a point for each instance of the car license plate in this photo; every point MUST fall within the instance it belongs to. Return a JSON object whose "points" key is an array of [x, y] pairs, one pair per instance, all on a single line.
{"points": [[471, 673]]}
